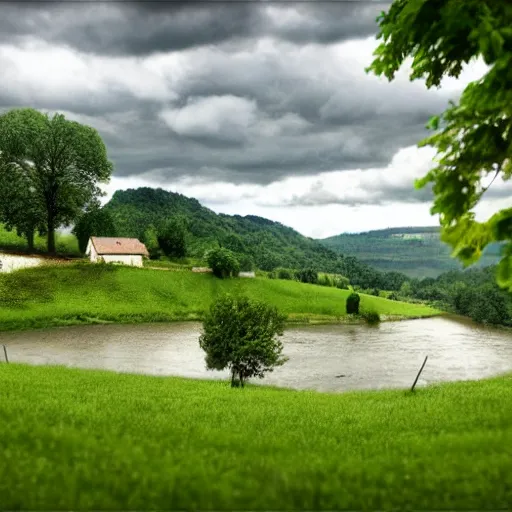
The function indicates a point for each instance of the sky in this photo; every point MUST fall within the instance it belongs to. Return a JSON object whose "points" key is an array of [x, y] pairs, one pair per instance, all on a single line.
{"points": [[252, 107]]}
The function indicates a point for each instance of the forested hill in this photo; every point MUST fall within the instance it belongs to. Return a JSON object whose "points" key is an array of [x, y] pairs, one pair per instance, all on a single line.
{"points": [[269, 243], [415, 251]]}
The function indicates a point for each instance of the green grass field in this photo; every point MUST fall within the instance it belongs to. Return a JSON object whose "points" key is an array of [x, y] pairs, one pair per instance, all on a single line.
{"points": [[78, 293], [65, 244], [78, 439]]}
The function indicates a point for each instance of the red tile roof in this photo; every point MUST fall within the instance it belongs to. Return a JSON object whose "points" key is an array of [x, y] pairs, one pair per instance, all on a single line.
{"points": [[104, 245]]}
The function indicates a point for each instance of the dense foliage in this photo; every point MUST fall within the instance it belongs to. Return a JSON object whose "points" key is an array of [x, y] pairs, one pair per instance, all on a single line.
{"points": [[96, 222], [473, 293], [223, 262], [241, 334], [172, 237], [415, 251], [257, 242], [50, 169], [352, 305], [307, 275], [473, 137]]}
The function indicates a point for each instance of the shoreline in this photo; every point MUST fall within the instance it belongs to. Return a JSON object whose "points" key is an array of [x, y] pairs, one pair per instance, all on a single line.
{"points": [[292, 321]]}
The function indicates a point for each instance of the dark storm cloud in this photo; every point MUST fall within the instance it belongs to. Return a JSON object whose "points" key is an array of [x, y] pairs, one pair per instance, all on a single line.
{"points": [[234, 105], [140, 28]]}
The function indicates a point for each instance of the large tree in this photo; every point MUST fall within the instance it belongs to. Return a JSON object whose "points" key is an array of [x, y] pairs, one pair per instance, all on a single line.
{"points": [[473, 137], [60, 162], [94, 222]]}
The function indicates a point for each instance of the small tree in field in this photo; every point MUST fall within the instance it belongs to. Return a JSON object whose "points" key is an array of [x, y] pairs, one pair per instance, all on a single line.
{"points": [[353, 301], [223, 263], [241, 334]]}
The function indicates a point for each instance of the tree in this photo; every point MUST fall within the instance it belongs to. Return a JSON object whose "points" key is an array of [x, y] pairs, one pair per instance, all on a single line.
{"points": [[307, 275], [151, 242], [352, 304], [172, 238], [60, 162], [473, 137], [246, 262], [241, 334], [95, 222], [223, 263], [19, 208]]}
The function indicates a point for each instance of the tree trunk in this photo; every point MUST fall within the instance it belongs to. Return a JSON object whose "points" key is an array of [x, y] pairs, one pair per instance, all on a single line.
{"points": [[30, 241], [51, 234], [233, 378]]}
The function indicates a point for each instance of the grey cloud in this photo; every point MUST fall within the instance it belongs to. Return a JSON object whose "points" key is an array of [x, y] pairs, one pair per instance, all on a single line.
{"points": [[312, 114], [375, 194], [140, 28]]}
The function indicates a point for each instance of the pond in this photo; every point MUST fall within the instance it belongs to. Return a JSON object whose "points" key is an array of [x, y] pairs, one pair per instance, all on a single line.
{"points": [[324, 358]]}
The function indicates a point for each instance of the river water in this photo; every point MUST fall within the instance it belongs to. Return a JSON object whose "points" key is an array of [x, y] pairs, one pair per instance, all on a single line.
{"points": [[325, 358]]}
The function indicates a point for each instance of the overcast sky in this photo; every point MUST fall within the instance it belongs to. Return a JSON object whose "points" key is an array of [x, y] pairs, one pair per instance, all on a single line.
{"points": [[251, 107]]}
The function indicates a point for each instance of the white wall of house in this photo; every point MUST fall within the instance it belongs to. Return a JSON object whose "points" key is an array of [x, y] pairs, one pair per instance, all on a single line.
{"points": [[9, 262], [91, 252], [135, 260]]}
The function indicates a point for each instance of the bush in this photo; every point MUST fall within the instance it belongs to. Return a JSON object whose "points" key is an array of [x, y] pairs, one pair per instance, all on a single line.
{"points": [[246, 263], [223, 263], [325, 280], [342, 282], [240, 334], [285, 273], [352, 305], [307, 275], [371, 317]]}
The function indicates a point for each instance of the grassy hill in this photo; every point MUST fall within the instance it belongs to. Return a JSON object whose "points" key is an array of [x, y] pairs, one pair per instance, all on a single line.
{"points": [[270, 243], [85, 293], [415, 251], [90, 440]]}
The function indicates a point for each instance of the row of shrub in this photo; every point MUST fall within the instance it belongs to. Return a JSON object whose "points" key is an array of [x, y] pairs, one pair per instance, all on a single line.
{"points": [[309, 275]]}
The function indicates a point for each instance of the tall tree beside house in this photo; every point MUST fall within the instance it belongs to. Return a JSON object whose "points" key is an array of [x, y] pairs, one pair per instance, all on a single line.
{"points": [[473, 137], [150, 240], [60, 162], [172, 238], [95, 222]]}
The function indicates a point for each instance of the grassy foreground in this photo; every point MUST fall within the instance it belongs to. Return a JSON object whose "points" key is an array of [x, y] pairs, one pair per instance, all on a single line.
{"points": [[78, 439], [86, 293]]}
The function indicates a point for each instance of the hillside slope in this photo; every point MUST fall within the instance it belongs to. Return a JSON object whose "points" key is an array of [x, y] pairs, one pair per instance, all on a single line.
{"points": [[84, 293], [415, 251], [270, 244]]}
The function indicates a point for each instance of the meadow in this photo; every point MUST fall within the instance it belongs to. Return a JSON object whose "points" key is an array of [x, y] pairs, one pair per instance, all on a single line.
{"points": [[78, 439], [85, 293]]}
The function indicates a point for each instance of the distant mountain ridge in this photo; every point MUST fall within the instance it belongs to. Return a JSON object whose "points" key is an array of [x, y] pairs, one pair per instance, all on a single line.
{"points": [[415, 251]]}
